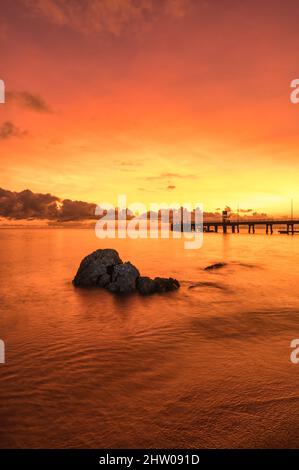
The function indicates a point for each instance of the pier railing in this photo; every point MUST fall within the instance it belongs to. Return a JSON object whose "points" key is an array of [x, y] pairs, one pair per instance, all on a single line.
{"points": [[235, 224]]}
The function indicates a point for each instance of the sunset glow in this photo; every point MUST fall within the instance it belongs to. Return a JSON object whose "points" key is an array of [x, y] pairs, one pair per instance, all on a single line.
{"points": [[165, 101]]}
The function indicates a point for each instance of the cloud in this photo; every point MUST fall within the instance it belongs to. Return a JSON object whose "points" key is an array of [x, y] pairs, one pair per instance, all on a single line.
{"points": [[163, 176], [28, 205], [127, 166], [8, 130], [28, 100], [113, 16], [170, 186], [130, 164], [76, 210]]}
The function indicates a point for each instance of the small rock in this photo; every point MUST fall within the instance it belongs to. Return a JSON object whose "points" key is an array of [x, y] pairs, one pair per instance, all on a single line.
{"points": [[146, 285], [166, 284], [207, 284], [215, 266]]}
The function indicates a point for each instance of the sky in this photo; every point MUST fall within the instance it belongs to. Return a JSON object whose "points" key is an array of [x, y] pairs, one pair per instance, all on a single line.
{"points": [[163, 101]]}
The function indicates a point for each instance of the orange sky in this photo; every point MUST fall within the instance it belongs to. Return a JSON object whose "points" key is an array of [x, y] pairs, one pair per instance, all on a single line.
{"points": [[176, 100]]}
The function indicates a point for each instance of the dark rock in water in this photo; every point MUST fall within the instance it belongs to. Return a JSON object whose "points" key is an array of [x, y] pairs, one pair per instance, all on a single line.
{"points": [[146, 285], [215, 266], [166, 284], [123, 279], [104, 268], [207, 284], [96, 269]]}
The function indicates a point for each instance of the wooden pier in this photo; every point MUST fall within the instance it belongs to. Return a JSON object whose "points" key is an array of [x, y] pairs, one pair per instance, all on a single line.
{"points": [[233, 226]]}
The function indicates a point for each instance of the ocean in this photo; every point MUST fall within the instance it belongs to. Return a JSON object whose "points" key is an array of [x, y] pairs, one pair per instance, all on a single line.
{"points": [[207, 366]]}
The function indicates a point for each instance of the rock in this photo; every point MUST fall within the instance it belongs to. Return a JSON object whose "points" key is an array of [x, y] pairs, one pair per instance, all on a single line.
{"points": [[123, 279], [215, 266], [104, 268], [207, 284], [166, 284], [146, 285], [96, 269]]}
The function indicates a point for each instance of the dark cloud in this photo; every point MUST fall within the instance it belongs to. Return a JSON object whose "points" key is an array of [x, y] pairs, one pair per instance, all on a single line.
{"points": [[28, 100], [245, 211], [76, 210], [8, 130], [28, 205], [259, 214], [211, 215]]}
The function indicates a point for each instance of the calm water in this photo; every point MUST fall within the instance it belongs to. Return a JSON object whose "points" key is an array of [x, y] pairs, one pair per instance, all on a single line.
{"points": [[206, 366]]}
